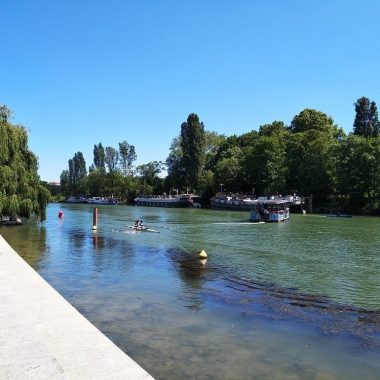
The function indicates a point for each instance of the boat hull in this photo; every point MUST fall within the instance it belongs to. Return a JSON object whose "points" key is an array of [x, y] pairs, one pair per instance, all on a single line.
{"points": [[182, 201], [237, 205], [102, 201]]}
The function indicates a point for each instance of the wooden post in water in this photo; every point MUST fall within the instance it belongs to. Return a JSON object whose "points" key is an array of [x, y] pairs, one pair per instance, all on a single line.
{"points": [[95, 219]]}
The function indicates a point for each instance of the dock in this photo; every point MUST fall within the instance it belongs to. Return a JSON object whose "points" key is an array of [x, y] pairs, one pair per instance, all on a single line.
{"points": [[42, 336]]}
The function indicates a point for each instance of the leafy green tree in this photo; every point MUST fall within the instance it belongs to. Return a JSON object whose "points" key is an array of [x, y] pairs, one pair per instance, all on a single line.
{"points": [[309, 158], [277, 128], [359, 172], [77, 174], [316, 168], [228, 170], [96, 182], [366, 120], [115, 183], [265, 161], [127, 154], [310, 119], [206, 185], [213, 142], [176, 177], [193, 148], [149, 176], [5, 114], [295, 151], [111, 159], [65, 183], [99, 157], [21, 191]]}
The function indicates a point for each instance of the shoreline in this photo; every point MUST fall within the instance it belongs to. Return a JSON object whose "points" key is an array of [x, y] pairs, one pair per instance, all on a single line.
{"points": [[43, 336]]}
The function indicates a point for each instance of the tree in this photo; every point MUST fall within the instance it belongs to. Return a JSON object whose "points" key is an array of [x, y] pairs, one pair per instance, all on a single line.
{"points": [[366, 122], [309, 154], [193, 148], [176, 171], [127, 154], [96, 180], [77, 174], [99, 157], [149, 175], [21, 191], [359, 171], [310, 119], [265, 163], [213, 142], [228, 170], [65, 183], [5, 114], [111, 158], [277, 128]]}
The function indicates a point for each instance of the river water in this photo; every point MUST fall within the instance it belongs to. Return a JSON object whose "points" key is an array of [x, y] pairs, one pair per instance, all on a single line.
{"points": [[297, 300]]}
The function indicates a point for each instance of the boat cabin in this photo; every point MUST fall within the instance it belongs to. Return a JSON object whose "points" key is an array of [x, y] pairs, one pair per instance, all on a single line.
{"points": [[270, 210]]}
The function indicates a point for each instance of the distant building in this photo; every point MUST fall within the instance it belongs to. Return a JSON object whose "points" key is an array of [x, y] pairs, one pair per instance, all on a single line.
{"points": [[54, 188]]}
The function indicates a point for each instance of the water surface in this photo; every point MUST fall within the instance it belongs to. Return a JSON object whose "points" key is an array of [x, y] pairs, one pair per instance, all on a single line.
{"points": [[297, 300]]}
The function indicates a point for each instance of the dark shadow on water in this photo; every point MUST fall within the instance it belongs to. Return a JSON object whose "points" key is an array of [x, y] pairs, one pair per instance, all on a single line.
{"points": [[216, 283]]}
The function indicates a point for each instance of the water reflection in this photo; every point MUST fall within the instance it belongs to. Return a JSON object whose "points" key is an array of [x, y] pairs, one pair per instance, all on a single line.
{"points": [[193, 274], [32, 246]]}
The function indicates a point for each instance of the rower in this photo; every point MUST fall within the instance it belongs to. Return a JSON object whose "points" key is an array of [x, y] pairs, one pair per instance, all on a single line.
{"points": [[138, 223]]}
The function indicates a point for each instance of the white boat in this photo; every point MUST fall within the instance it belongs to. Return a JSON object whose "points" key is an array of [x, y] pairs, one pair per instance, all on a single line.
{"points": [[270, 211], [103, 201], [142, 228]]}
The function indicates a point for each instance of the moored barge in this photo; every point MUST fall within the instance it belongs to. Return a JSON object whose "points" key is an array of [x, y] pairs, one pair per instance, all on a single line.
{"points": [[181, 200]]}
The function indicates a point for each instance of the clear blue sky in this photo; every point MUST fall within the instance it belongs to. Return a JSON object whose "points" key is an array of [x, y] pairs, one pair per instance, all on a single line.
{"points": [[80, 72]]}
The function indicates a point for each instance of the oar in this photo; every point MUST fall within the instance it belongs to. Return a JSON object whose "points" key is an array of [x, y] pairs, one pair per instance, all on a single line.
{"points": [[166, 228]]}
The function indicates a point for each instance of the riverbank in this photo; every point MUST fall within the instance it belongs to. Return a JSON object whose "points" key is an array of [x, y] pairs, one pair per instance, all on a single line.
{"points": [[43, 337]]}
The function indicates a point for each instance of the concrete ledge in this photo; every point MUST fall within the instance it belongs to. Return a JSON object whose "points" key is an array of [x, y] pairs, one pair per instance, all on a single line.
{"points": [[43, 337]]}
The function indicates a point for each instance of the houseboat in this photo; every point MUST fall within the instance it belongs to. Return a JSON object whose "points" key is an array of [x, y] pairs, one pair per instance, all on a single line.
{"points": [[181, 200], [80, 199], [103, 201], [270, 210], [233, 202]]}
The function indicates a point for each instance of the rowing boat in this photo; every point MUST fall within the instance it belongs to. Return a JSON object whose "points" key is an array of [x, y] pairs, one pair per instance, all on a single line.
{"points": [[142, 228]]}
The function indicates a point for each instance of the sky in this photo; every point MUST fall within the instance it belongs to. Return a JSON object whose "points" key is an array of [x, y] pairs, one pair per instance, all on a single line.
{"points": [[82, 72]]}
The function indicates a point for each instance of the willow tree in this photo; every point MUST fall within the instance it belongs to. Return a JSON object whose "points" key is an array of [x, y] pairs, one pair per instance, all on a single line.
{"points": [[193, 146], [21, 192]]}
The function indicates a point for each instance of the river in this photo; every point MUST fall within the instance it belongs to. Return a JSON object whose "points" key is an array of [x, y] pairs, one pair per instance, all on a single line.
{"points": [[296, 300]]}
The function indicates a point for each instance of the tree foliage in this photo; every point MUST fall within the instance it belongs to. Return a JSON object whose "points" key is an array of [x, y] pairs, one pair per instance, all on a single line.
{"points": [[21, 192], [366, 121], [193, 148], [311, 156], [127, 154], [111, 158], [77, 174], [99, 157]]}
